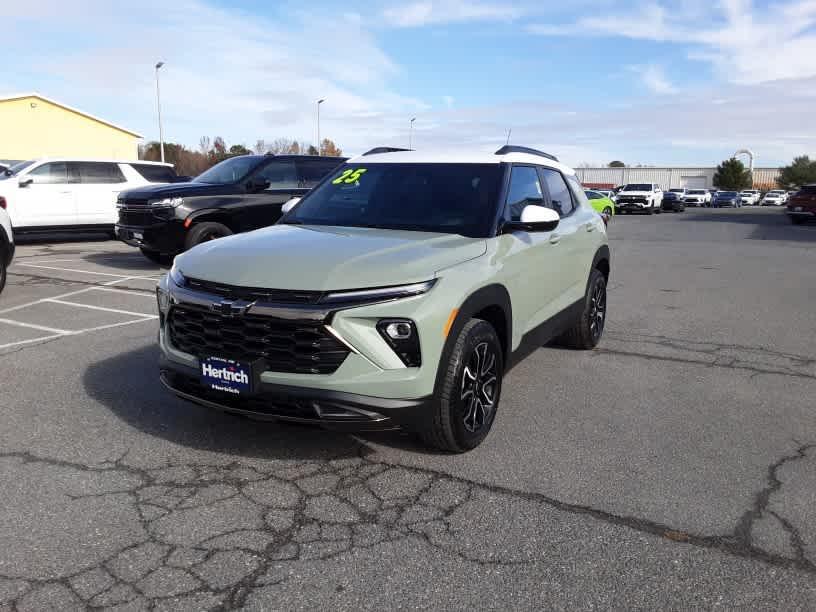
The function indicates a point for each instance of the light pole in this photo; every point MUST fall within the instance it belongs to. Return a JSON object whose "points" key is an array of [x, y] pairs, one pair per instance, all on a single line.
{"points": [[158, 106], [411, 132], [319, 145]]}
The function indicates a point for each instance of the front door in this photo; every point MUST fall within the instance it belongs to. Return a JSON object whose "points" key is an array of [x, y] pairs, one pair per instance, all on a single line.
{"points": [[47, 200]]}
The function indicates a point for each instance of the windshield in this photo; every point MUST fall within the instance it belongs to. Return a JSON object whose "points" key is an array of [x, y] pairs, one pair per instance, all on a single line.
{"points": [[445, 198], [16, 169], [697, 192], [727, 194], [229, 171], [677, 190], [638, 187]]}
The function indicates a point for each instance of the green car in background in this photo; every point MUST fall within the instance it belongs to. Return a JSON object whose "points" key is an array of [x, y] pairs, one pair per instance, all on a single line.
{"points": [[601, 203]]}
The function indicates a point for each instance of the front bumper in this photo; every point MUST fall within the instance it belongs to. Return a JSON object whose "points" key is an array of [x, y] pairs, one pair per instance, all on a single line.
{"points": [[632, 206], [672, 204], [167, 237], [329, 409], [801, 214]]}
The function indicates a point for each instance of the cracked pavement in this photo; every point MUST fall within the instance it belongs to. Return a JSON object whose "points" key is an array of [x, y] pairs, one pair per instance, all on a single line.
{"points": [[674, 467]]}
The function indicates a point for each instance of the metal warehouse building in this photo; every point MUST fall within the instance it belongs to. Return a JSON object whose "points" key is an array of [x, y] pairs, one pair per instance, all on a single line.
{"points": [[33, 126], [667, 178]]}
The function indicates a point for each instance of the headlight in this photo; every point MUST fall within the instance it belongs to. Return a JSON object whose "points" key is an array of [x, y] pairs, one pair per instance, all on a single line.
{"points": [[176, 276], [380, 294], [163, 299], [166, 202]]}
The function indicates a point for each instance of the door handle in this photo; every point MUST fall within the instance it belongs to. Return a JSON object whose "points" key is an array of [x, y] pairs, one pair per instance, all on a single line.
{"points": [[590, 227], [555, 238]]}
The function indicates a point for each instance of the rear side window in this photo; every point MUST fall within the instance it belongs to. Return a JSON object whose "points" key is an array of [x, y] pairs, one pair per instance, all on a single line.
{"points": [[560, 197], [155, 174], [524, 190], [312, 171], [808, 190], [98, 173], [593, 195], [52, 173], [280, 174]]}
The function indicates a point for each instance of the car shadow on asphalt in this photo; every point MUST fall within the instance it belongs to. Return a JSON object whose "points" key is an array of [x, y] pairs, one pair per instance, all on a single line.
{"points": [[123, 261], [128, 384]]}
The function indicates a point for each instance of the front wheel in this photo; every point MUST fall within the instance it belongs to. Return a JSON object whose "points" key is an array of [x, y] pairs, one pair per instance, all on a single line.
{"points": [[204, 232], [2, 271], [794, 220], [587, 330], [463, 414]]}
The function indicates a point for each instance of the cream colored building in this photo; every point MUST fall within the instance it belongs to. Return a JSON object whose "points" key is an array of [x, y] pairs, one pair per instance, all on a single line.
{"points": [[33, 126]]}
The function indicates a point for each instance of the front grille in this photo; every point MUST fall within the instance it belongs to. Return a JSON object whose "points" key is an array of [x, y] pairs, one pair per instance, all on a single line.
{"points": [[136, 216], [302, 347], [252, 294], [633, 200]]}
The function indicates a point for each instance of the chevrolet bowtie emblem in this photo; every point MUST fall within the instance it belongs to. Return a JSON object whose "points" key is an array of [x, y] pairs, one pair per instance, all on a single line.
{"points": [[230, 308]]}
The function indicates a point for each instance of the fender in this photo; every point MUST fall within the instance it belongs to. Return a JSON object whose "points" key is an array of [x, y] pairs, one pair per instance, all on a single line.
{"points": [[218, 215], [602, 254], [489, 295], [6, 246]]}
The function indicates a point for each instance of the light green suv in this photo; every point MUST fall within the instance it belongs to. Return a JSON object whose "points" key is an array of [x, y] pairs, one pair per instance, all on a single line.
{"points": [[395, 294]]}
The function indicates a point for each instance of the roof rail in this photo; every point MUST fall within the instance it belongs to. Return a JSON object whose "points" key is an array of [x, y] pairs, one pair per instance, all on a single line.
{"points": [[377, 150], [516, 149]]}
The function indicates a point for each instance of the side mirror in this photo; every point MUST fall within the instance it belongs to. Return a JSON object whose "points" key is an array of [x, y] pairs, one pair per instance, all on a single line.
{"points": [[25, 181], [289, 205], [534, 219]]}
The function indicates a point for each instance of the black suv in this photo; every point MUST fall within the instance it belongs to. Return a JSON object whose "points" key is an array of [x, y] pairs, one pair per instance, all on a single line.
{"points": [[237, 195]]}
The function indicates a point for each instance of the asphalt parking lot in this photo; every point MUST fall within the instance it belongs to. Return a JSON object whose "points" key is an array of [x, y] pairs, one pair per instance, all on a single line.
{"points": [[673, 467]]}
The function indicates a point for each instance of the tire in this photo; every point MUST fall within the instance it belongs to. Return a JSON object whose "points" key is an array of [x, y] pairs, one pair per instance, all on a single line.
{"points": [[204, 232], [2, 270], [794, 220], [607, 211], [156, 257], [585, 335], [658, 209], [459, 420], [650, 210]]}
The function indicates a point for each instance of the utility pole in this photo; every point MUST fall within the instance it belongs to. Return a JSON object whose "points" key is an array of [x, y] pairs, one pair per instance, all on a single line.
{"points": [[319, 144], [158, 106]]}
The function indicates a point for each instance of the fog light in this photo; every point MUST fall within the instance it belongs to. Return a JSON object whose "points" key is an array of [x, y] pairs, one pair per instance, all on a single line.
{"points": [[401, 335], [163, 299], [399, 331]]}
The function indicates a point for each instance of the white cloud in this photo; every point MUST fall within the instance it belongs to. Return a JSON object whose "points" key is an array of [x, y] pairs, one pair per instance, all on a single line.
{"points": [[428, 12], [744, 44], [654, 78], [448, 100]]}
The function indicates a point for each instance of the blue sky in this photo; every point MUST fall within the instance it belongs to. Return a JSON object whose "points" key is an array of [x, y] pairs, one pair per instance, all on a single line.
{"points": [[684, 82]]}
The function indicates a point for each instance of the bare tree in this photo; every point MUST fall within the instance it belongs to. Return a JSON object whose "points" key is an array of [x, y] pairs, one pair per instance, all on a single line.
{"points": [[204, 145], [260, 146]]}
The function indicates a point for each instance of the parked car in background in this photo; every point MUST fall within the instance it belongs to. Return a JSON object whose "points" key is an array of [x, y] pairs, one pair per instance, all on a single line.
{"points": [[391, 295], [697, 197], [600, 202], [607, 193], [62, 194], [673, 200], [777, 197], [725, 199], [802, 205], [237, 195], [750, 197], [6, 243], [639, 197]]}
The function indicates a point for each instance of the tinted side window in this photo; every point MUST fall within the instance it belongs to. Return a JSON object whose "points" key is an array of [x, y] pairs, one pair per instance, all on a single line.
{"points": [[52, 173], [593, 195], [98, 173], [524, 190], [155, 174], [312, 171], [280, 174], [560, 198], [578, 195]]}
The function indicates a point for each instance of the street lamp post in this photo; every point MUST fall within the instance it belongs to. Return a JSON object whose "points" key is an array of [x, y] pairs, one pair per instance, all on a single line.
{"points": [[319, 145], [158, 106], [411, 132]]}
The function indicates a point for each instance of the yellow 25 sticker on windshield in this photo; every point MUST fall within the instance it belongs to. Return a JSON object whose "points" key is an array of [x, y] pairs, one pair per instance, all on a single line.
{"points": [[349, 176]]}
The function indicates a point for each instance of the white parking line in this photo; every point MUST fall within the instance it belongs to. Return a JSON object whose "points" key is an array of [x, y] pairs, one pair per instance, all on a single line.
{"points": [[21, 342], [103, 308], [82, 271], [60, 332], [146, 293], [65, 334], [77, 292]]}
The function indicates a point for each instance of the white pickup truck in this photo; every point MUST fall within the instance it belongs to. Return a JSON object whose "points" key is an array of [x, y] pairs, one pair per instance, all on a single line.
{"points": [[639, 197]]}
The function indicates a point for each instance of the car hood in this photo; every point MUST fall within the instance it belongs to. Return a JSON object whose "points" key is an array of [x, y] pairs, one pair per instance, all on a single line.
{"points": [[177, 190], [317, 258], [634, 193]]}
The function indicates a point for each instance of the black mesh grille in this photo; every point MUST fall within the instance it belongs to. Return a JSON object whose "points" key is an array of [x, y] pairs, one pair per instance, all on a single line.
{"points": [[251, 294], [136, 216], [303, 347]]}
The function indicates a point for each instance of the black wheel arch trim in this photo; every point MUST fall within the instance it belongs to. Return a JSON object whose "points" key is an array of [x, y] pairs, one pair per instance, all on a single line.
{"points": [[484, 297], [217, 215], [602, 254], [6, 246]]}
